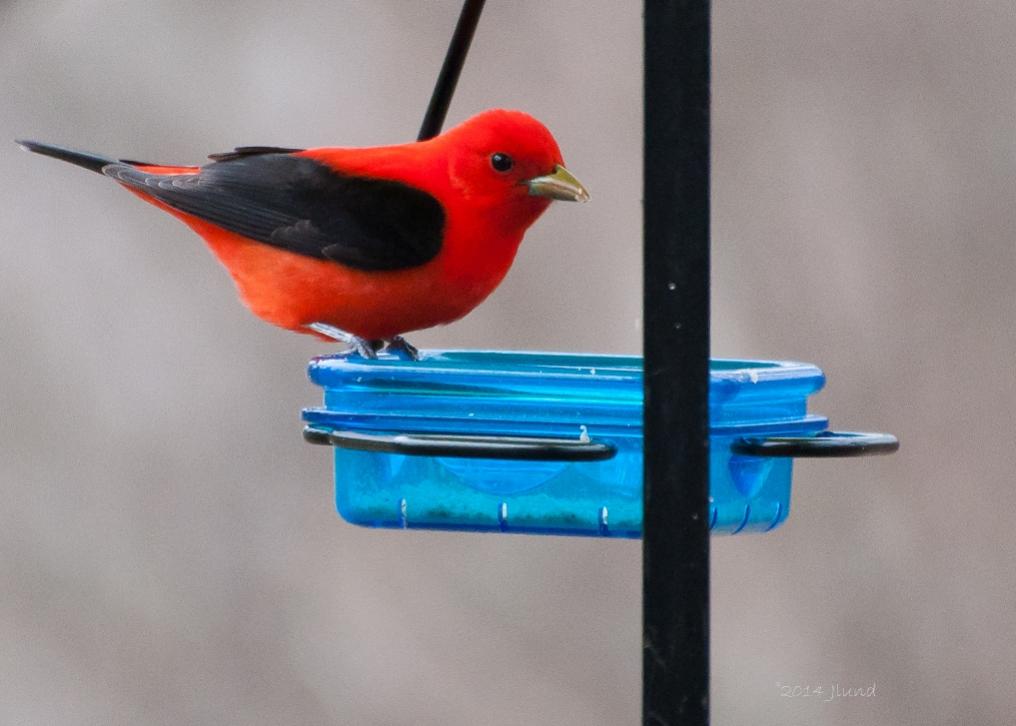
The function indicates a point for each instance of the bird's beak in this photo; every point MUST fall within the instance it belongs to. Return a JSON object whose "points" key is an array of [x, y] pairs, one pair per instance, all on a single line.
{"points": [[559, 185]]}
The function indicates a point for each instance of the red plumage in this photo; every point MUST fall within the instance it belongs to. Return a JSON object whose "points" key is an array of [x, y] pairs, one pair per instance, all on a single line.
{"points": [[352, 238]]}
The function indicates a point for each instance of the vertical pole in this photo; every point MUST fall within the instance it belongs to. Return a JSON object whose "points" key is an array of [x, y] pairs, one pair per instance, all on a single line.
{"points": [[675, 550], [449, 75]]}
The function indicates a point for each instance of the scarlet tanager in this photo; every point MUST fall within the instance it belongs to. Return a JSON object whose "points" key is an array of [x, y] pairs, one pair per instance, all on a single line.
{"points": [[362, 245]]}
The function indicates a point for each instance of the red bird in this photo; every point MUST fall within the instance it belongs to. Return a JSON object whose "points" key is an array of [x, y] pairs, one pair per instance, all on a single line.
{"points": [[362, 245]]}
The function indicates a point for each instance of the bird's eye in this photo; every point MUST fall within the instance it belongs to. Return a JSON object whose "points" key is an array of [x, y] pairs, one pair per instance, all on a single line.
{"points": [[501, 162]]}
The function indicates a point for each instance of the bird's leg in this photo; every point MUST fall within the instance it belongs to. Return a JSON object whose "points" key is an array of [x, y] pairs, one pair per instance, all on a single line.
{"points": [[402, 348], [363, 347]]}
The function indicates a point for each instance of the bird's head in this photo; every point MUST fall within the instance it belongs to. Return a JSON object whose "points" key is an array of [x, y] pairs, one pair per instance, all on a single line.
{"points": [[508, 161]]}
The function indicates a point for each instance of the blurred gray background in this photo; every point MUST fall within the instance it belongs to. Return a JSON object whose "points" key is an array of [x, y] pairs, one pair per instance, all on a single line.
{"points": [[168, 545]]}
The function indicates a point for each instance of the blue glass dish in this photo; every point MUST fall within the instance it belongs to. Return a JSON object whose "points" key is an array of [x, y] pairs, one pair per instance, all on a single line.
{"points": [[579, 401]]}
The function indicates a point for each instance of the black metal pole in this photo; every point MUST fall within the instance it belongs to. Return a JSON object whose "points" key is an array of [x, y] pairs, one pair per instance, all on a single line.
{"points": [[675, 549], [449, 76]]}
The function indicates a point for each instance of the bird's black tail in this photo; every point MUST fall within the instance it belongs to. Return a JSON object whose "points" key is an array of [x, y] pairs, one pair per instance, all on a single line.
{"points": [[93, 162]]}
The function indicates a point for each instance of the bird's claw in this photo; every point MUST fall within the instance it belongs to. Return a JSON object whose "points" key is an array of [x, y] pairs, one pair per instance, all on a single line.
{"points": [[365, 348], [361, 346], [402, 348], [397, 346]]}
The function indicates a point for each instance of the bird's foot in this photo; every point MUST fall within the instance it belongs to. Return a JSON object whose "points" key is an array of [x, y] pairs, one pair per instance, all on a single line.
{"points": [[402, 348], [397, 346], [361, 346]]}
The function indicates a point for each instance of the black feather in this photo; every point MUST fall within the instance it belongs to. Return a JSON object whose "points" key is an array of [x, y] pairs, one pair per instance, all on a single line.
{"points": [[241, 151], [298, 204], [92, 162]]}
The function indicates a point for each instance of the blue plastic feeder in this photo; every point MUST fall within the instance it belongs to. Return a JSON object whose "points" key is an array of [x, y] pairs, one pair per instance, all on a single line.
{"points": [[551, 443]]}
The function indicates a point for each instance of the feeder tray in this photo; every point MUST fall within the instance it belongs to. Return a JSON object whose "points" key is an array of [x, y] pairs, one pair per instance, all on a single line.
{"points": [[551, 443]]}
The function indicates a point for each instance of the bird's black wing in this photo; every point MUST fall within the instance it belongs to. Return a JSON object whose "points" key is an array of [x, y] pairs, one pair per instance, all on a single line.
{"points": [[301, 205]]}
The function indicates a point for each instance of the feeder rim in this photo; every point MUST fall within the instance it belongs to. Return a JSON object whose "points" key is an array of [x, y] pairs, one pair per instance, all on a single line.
{"points": [[508, 363]]}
